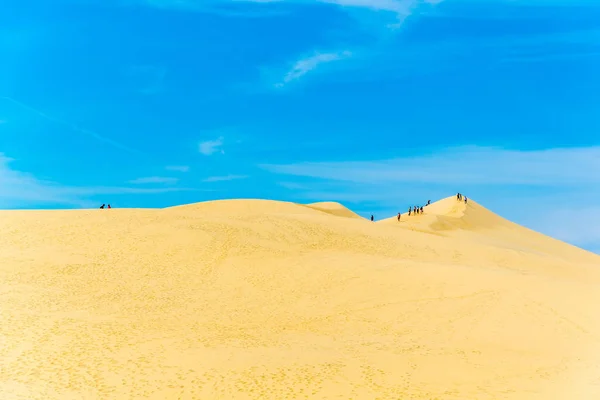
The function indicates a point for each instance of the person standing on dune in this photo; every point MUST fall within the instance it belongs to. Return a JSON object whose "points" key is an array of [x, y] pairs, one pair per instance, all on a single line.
{"points": [[398, 216], [371, 218], [465, 199], [409, 210]]}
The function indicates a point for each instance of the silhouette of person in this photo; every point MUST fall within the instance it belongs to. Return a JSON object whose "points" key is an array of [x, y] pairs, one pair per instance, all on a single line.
{"points": [[398, 216], [102, 206], [428, 202], [421, 210], [465, 199], [371, 218], [457, 196], [409, 210], [109, 206]]}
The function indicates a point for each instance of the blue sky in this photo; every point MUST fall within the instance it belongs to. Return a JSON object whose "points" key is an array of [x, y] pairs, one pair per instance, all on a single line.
{"points": [[378, 104]]}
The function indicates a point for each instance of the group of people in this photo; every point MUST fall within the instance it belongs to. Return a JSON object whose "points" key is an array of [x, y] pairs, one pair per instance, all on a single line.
{"points": [[414, 210], [103, 206]]}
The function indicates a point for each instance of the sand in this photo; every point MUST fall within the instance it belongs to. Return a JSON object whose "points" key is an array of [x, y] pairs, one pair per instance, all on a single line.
{"points": [[252, 299]]}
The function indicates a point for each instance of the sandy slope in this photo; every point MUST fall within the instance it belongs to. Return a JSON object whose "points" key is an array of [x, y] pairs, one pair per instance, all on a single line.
{"points": [[334, 208], [250, 299]]}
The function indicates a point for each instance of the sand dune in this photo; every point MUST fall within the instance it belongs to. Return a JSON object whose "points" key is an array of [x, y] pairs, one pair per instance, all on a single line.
{"points": [[256, 299], [334, 208]]}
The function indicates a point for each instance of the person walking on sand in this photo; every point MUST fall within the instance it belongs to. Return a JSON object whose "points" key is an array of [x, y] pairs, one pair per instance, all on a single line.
{"points": [[421, 209], [399, 217], [371, 218], [409, 210], [465, 199]]}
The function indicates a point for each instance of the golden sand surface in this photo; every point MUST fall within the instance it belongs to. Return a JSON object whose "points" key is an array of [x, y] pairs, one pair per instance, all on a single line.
{"points": [[255, 299]]}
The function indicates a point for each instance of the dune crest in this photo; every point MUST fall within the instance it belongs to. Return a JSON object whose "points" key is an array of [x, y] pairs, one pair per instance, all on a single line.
{"points": [[471, 221], [334, 208], [260, 299]]}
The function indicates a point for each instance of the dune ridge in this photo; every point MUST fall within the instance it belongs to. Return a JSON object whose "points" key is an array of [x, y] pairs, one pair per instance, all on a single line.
{"points": [[261, 299], [334, 208]]}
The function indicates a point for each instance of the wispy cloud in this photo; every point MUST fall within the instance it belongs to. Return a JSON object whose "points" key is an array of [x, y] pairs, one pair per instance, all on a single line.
{"points": [[305, 65], [224, 178], [178, 168], [227, 8], [210, 147], [73, 127], [19, 189], [395, 6], [400, 8], [582, 230], [154, 179], [463, 165]]}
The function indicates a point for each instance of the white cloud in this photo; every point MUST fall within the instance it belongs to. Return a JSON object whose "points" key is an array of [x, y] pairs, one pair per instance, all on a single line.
{"points": [[463, 165], [224, 178], [178, 168], [210, 147], [154, 179], [19, 189], [308, 64], [401, 7], [395, 6]]}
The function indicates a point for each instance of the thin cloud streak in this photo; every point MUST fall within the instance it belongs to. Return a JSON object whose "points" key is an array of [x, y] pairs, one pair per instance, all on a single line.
{"points": [[154, 179], [71, 126], [177, 168], [224, 178], [395, 6], [308, 64], [463, 165]]}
